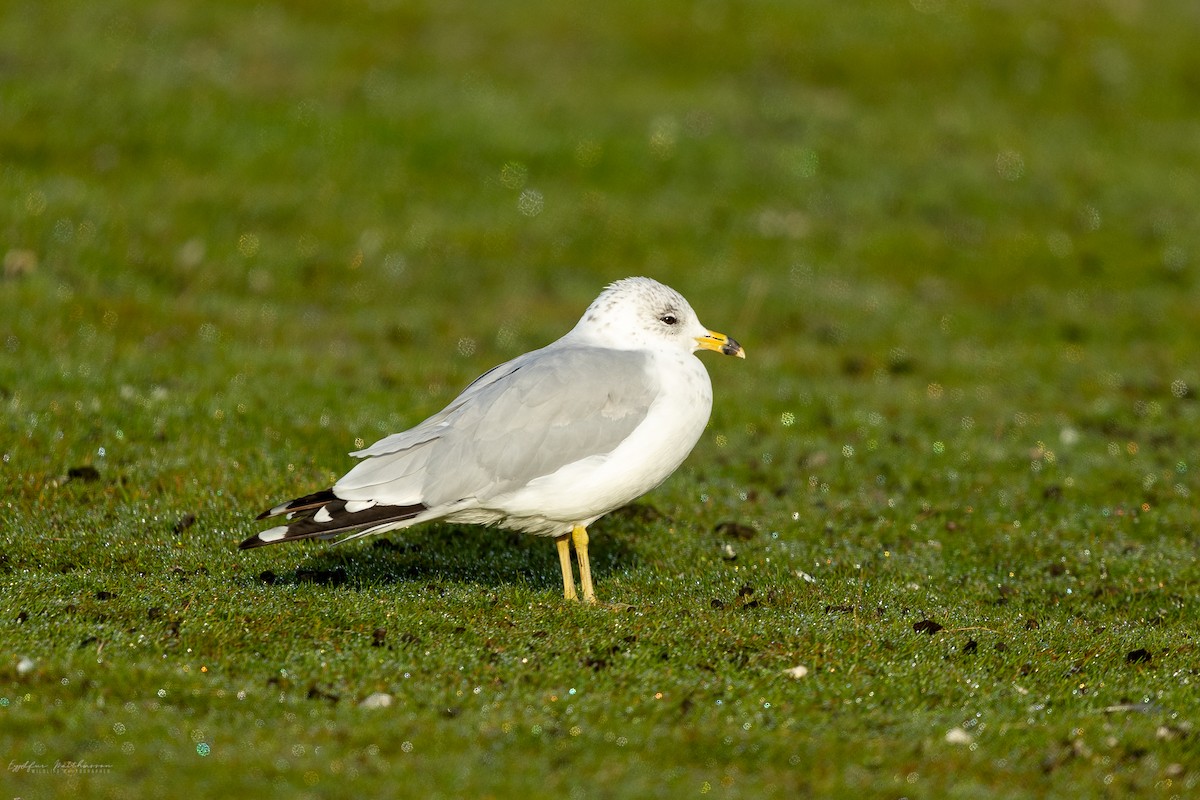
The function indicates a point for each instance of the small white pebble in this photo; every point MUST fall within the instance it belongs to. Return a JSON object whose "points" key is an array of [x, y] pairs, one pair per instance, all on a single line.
{"points": [[376, 700], [958, 736], [796, 672]]}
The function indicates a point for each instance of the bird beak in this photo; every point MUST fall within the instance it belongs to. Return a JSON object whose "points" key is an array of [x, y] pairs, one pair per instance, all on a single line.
{"points": [[720, 343]]}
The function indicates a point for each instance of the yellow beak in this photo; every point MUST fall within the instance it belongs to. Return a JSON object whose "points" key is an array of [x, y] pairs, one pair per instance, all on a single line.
{"points": [[720, 343]]}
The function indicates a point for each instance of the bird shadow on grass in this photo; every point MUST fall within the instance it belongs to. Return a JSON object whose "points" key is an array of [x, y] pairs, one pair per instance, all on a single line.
{"points": [[490, 557]]}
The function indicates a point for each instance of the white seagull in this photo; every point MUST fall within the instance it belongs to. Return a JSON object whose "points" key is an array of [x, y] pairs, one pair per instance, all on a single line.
{"points": [[546, 443]]}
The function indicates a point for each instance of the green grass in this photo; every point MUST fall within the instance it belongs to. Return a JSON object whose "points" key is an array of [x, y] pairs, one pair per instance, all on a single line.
{"points": [[958, 241]]}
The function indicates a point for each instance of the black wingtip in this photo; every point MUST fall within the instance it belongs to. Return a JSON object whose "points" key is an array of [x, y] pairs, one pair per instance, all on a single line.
{"points": [[303, 525], [256, 541], [308, 501]]}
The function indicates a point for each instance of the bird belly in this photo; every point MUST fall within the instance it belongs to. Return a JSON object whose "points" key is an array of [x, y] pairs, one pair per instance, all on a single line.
{"points": [[581, 492]]}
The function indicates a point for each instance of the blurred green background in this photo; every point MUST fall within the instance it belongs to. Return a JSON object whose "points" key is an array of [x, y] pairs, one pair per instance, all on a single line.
{"points": [[958, 240]]}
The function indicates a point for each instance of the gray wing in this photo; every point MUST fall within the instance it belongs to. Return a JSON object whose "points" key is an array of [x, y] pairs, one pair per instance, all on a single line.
{"points": [[556, 407], [429, 428]]}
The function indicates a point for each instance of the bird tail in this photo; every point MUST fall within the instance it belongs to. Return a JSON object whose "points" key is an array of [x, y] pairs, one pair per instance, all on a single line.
{"points": [[323, 515]]}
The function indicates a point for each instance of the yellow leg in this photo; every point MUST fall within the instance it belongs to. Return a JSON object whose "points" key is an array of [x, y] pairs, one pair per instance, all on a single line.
{"points": [[564, 560], [580, 537]]}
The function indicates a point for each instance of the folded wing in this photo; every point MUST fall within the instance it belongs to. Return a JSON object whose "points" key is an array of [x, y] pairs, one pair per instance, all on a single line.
{"points": [[508, 429]]}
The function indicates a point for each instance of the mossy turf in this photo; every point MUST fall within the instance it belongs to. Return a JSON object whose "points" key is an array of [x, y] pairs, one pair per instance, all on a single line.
{"points": [[955, 479]]}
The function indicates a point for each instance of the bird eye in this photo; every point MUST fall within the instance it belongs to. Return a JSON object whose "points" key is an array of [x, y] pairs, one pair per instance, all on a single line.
{"points": [[669, 319]]}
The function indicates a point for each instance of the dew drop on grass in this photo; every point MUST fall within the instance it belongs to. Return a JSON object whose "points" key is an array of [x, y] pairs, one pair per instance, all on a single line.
{"points": [[513, 175], [1010, 165], [248, 245], [35, 203], [394, 264], [1174, 258], [587, 152], [1059, 243], [664, 133], [804, 162], [531, 202]]}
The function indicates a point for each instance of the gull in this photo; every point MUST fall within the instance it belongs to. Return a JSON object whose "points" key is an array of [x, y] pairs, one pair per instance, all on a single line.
{"points": [[546, 443]]}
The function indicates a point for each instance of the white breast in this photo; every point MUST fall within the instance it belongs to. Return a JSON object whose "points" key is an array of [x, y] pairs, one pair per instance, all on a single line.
{"points": [[580, 492]]}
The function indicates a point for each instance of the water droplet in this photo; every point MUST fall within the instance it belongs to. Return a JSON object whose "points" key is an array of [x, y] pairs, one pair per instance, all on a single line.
{"points": [[306, 246], [248, 244], [531, 202], [1010, 165], [1089, 217], [35, 202], [513, 175], [1174, 258], [664, 133], [588, 152], [1060, 245], [803, 162], [64, 231], [395, 264]]}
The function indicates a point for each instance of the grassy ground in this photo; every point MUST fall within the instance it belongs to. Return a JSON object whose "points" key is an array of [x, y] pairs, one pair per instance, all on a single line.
{"points": [[959, 244]]}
